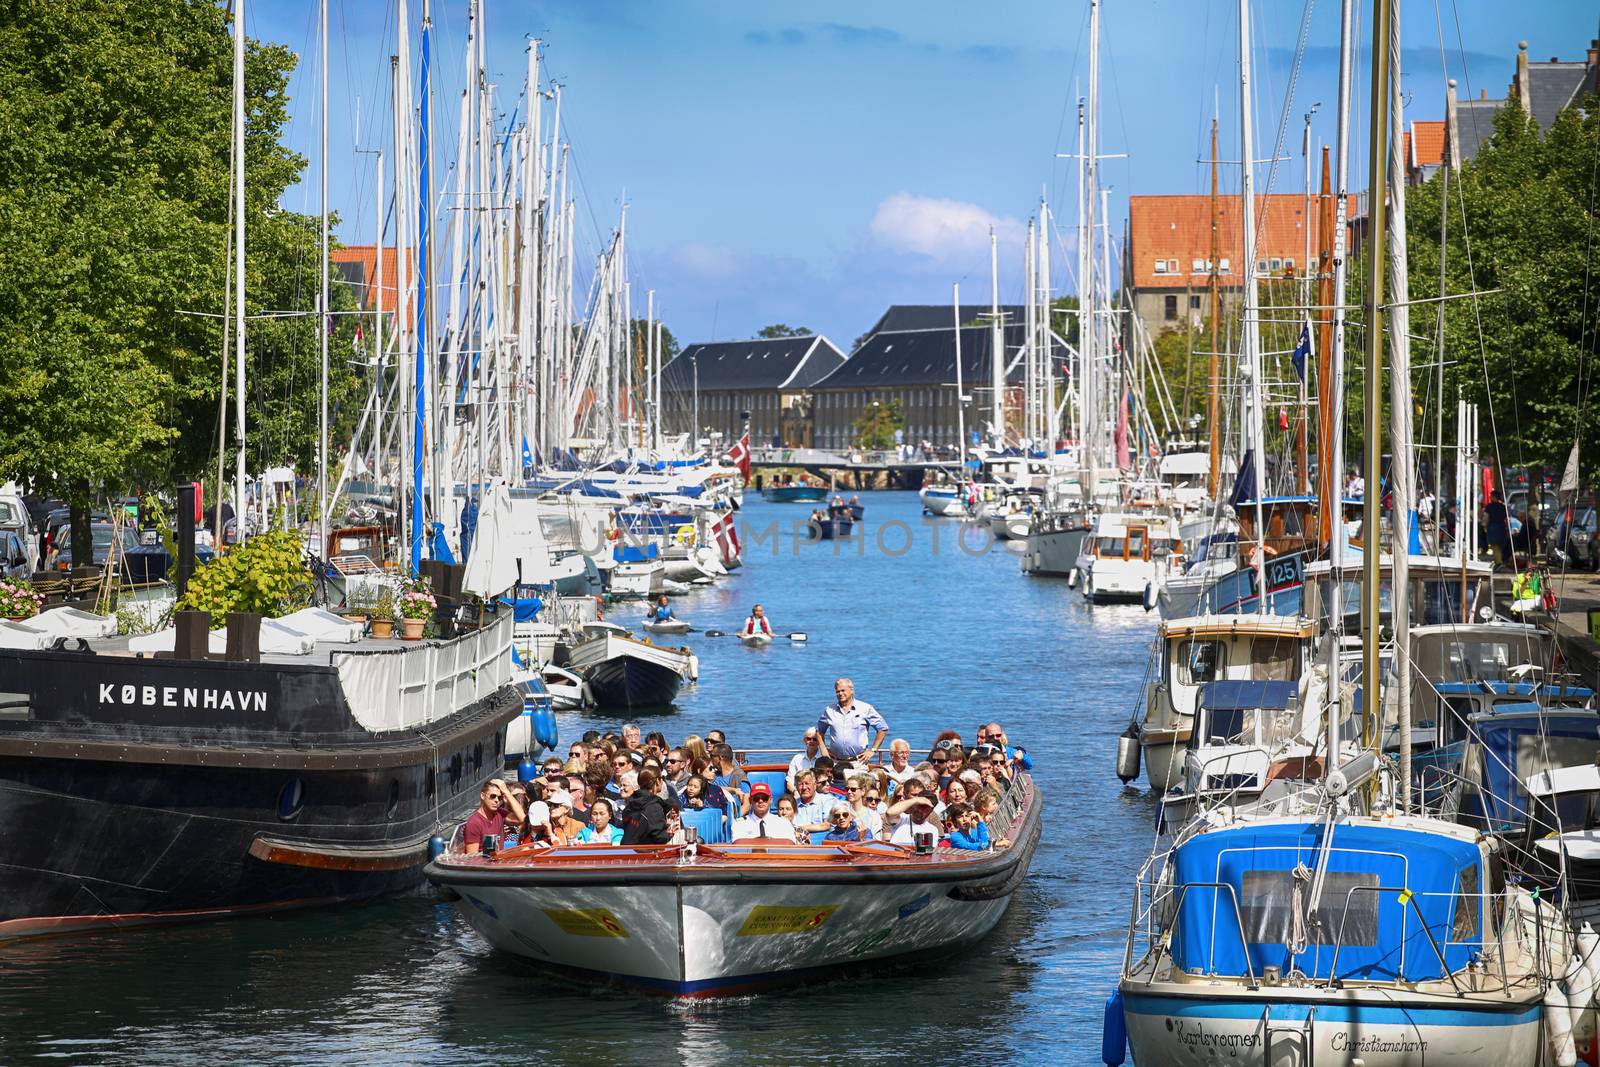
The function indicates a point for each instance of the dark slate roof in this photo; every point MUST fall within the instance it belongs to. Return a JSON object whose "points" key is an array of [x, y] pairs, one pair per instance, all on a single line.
{"points": [[1475, 120], [1552, 88], [937, 316], [763, 363], [925, 357]]}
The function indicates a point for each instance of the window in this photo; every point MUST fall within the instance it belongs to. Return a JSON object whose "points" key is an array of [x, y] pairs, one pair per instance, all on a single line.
{"points": [[1225, 267], [1288, 264], [1194, 303], [1109, 548], [1136, 542], [1270, 900], [1199, 266], [1275, 659], [1465, 925], [1262, 266], [1170, 308], [1201, 661], [1161, 266]]}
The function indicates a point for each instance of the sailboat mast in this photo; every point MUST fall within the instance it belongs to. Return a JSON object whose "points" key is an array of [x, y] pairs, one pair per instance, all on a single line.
{"points": [[1088, 348], [997, 354], [1377, 227], [1214, 369], [322, 306], [1333, 425], [1252, 394], [419, 431], [238, 265], [961, 409]]}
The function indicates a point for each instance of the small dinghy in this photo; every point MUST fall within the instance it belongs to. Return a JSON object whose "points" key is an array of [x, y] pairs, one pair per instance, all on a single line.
{"points": [[666, 626], [756, 640]]}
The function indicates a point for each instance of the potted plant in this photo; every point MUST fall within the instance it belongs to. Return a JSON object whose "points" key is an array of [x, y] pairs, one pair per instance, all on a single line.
{"points": [[416, 606], [359, 601], [383, 614], [18, 600]]}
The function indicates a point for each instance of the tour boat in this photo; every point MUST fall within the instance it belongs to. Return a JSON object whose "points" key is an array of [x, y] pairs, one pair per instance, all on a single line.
{"points": [[191, 784], [715, 919], [623, 673]]}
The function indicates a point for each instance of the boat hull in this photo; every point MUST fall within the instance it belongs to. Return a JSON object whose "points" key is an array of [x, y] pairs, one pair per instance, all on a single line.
{"points": [[755, 640], [629, 682], [831, 529], [1387, 1028], [942, 502], [795, 494], [1053, 553]]}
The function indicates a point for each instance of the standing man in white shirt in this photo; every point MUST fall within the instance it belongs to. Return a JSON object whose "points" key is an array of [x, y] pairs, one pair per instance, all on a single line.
{"points": [[850, 729]]}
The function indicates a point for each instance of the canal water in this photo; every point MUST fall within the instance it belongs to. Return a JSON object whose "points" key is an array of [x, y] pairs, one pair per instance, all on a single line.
{"points": [[938, 629]]}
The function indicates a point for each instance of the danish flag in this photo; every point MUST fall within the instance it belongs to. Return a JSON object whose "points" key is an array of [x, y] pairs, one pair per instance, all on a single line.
{"points": [[740, 454]]}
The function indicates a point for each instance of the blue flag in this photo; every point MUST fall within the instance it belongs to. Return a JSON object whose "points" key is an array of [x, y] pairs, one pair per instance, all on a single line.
{"points": [[527, 453], [1302, 351]]}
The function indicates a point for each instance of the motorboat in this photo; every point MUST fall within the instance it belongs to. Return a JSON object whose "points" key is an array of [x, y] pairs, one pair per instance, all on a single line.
{"points": [[1339, 939], [944, 501], [831, 528], [1199, 651], [636, 570], [568, 691], [712, 918], [1054, 542], [1128, 556], [624, 673], [794, 494]]}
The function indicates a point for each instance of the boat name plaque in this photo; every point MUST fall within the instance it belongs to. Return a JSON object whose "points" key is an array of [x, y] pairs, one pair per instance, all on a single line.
{"points": [[182, 696]]}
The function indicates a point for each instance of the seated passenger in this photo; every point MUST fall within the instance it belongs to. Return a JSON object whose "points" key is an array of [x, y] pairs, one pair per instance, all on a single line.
{"points": [[580, 797], [600, 831], [804, 760], [761, 822], [967, 831], [694, 792], [729, 775], [631, 738], [495, 803], [1015, 757], [842, 827], [865, 818], [916, 819], [675, 827], [644, 819], [872, 808], [564, 828], [899, 768], [785, 807], [987, 803], [811, 807]]}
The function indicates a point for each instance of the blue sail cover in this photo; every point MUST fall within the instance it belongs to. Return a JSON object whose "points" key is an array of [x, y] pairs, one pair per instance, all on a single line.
{"points": [[636, 553], [1383, 936], [1521, 740], [1241, 695]]}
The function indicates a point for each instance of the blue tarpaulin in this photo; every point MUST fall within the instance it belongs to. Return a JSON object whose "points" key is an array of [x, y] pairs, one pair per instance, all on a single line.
{"points": [[524, 609], [438, 547]]}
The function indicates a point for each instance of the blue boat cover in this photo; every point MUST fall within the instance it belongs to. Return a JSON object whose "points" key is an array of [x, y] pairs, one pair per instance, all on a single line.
{"points": [[1384, 884], [1246, 695], [523, 609], [1519, 741], [635, 553]]}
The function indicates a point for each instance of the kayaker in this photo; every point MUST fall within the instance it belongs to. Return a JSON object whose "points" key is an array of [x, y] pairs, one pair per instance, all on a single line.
{"points": [[663, 611], [846, 725], [757, 623]]}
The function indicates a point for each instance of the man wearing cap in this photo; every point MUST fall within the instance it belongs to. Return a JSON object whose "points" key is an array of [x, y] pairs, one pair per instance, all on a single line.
{"points": [[850, 729], [761, 822], [805, 760]]}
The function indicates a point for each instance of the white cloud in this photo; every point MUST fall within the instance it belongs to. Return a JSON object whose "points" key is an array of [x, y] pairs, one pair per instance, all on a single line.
{"points": [[708, 261], [939, 229]]}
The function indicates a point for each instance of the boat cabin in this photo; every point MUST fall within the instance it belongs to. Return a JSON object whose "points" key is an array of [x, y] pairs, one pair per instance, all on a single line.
{"points": [[360, 549], [1443, 590], [1246, 733], [1216, 648]]}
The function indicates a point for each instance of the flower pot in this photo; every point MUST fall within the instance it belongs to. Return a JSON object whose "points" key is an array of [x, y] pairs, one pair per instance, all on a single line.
{"points": [[18, 618], [382, 627], [351, 616], [411, 629]]}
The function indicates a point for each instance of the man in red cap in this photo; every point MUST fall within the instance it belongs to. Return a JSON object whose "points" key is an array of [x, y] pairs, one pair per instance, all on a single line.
{"points": [[761, 822]]}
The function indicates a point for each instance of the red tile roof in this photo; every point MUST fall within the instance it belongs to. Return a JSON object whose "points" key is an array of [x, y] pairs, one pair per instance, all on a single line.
{"points": [[1167, 228], [357, 264], [1426, 140]]}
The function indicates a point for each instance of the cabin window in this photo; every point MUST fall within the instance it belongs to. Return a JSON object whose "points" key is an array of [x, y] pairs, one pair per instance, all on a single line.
{"points": [[1229, 726], [1441, 603], [1202, 661], [1275, 659], [1109, 548], [1468, 907], [1136, 545], [1271, 903]]}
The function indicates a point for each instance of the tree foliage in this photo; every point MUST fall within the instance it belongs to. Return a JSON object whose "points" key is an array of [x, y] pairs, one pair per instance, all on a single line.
{"points": [[266, 574], [778, 329], [669, 343], [114, 199], [877, 425]]}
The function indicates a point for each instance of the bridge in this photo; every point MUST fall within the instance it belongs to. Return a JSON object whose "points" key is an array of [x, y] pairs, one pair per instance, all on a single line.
{"points": [[856, 469]]}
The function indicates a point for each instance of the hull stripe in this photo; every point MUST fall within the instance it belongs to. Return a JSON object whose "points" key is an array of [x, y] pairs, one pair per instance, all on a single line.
{"points": [[1511, 1014]]}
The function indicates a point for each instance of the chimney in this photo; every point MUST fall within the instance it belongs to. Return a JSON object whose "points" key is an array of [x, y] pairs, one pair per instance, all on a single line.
{"points": [[1524, 97], [1452, 135]]}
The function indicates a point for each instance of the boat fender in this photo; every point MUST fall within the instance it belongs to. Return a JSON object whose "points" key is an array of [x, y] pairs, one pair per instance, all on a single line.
{"points": [[1558, 1021], [1072, 578], [1149, 596], [436, 847], [1589, 953], [1579, 986], [1114, 1032], [1128, 754], [586, 694], [527, 771], [544, 726], [694, 667]]}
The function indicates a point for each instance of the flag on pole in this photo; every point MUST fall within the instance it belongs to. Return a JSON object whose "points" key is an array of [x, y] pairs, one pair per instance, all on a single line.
{"points": [[740, 454], [1302, 351], [1569, 478]]}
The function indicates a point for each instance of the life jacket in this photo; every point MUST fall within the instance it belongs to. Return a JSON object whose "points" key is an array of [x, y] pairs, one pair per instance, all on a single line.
{"points": [[750, 625]]}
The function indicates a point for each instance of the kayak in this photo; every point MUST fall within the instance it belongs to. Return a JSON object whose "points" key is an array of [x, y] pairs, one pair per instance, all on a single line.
{"points": [[756, 640], [667, 626]]}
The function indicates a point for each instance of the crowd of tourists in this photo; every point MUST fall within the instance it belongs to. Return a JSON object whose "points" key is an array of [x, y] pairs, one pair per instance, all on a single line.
{"points": [[847, 784]]}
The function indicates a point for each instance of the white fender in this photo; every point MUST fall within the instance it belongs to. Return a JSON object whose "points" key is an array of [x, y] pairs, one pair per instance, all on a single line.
{"points": [[1579, 986], [694, 668], [1559, 1021], [1589, 953], [1072, 578]]}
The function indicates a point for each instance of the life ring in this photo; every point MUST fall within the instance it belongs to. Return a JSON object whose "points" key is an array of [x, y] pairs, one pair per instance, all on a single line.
{"points": [[684, 535]]}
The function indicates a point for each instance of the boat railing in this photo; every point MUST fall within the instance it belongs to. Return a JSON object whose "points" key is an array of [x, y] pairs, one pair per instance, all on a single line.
{"points": [[407, 687], [1405, 897], [1165, 946]]}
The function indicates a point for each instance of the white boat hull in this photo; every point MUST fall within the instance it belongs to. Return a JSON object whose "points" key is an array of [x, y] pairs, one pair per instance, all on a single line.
{"points": [[670, 626], [637, 579], [944, 503], [1054, 553], [755, 640]]}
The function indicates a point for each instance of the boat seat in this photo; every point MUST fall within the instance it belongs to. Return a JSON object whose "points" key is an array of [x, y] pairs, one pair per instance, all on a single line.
{"points": [[709, 823], [777, 781]]}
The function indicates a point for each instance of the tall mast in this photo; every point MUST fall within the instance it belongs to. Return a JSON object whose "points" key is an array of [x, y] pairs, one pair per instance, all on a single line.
{"points": [[1444, 250], [1254, 432], [377, 325], [1377, 222], [419, 432], [1047, 375], [1301, 471], [322, 306], [1214, 396], [1400, 514], [961, 410], [1327, 428], [997, 354], [238, 265], [1090, 384]]}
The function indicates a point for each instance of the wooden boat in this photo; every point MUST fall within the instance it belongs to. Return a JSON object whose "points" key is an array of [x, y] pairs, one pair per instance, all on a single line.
{"points": [[715, 919], [623, 673], [830, 529], [316, 776], [795, 494]]}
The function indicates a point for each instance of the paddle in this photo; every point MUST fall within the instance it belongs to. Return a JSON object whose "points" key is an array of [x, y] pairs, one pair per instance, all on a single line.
{"points": [[797, 636]]}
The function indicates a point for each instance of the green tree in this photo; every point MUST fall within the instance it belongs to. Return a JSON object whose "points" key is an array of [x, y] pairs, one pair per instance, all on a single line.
{"points": [[778, 329], [669, 343], [877, 425]]}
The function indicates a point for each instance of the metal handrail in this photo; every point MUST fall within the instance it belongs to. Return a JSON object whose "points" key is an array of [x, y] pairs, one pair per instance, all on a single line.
{"points": [[1407, 896], [1238, 916]]}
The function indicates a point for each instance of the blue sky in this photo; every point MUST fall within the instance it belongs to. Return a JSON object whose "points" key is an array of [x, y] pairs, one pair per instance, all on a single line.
{"points": [[812, 163]]}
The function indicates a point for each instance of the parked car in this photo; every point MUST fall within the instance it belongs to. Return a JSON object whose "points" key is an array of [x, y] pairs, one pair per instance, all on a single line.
{"points": [[14, 518], [1576, 541], [14, 558], [109, 542]]}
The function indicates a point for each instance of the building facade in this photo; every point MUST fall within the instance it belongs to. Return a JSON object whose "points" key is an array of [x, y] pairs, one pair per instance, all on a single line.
{"points": [[707, 388]]}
